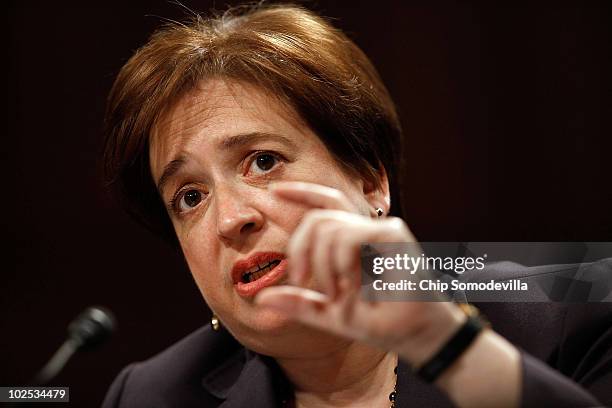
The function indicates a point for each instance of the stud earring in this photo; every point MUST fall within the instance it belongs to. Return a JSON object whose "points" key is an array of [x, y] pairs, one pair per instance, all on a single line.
{"points": [[215, 323], [379, 212]]}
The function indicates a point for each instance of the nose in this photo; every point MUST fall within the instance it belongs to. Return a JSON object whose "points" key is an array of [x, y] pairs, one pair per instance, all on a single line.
{"points": [[236, 216]]}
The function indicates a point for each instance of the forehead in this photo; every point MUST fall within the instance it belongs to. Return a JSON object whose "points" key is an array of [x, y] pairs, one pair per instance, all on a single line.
{"points": [[214, 110]]}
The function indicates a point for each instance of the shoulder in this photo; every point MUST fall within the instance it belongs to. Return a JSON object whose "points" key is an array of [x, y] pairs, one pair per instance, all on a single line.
{"points": [[566, 283], [565, 328], [174, 376]]}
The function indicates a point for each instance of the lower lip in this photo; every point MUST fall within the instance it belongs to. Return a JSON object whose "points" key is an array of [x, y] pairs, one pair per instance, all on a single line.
{"points": [[250, 289]]}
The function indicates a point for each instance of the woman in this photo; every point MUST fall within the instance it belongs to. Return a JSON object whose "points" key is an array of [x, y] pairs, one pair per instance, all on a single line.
{"points": [[264, 143]]}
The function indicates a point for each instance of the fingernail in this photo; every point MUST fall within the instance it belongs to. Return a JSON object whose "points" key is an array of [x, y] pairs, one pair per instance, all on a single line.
{"points": [[262, 299], [274, 303]]}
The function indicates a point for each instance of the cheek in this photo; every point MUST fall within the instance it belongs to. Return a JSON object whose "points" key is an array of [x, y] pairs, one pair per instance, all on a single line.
{"points": [[201, 254], [285, 215]]}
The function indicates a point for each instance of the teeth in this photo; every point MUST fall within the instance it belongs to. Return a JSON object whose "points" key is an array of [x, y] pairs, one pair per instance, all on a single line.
{"points": [[257, 272]]}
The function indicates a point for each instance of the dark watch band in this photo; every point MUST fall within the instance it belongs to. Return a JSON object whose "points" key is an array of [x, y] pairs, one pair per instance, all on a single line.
{"points": [[451, 350]]}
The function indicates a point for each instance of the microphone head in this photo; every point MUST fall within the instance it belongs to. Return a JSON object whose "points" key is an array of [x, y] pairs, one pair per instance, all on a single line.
{"points": [[92, 327]]}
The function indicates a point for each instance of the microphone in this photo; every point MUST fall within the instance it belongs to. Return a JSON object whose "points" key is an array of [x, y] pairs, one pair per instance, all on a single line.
{"points": [[89, 329]]}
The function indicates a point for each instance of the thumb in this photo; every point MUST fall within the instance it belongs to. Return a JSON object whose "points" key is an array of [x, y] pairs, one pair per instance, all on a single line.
{"points": [[303, 305]]}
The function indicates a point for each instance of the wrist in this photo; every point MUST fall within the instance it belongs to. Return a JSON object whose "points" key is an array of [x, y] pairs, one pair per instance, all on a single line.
{"points": [[441, 322], [487, 374]]}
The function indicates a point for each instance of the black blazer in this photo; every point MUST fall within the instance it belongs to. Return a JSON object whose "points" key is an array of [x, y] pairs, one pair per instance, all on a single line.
{"points": [[566, 351]]}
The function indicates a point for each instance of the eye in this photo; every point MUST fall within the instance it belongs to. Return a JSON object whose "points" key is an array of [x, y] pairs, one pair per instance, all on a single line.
{"points": [[189, 200], [263, 162]]}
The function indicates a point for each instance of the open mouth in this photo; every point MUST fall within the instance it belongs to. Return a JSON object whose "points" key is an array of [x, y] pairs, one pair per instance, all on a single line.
{"points": [[258, 271]]}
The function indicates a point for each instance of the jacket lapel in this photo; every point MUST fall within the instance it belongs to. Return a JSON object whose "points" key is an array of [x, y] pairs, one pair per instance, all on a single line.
{"points": [[248, 380]]}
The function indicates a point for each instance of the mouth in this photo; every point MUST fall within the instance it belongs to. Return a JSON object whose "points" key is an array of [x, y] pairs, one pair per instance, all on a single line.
{"points": [[257, 272]]}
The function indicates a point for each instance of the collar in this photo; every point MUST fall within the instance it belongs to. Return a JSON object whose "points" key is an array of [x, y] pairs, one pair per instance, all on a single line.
{"points": [[247, 379]]}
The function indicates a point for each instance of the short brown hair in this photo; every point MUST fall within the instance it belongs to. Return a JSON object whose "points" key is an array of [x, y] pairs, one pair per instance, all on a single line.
{"points": [[284, 49]]}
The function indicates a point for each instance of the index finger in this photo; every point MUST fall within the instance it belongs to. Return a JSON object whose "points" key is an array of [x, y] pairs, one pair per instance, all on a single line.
{"points": [[312, 195]]}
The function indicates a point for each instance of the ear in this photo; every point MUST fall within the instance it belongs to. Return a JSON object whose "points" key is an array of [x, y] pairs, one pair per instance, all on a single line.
{"points": [[378, 196]]}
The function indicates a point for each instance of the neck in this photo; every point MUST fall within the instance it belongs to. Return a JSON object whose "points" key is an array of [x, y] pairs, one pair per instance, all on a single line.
{"points": [[353, 375]]}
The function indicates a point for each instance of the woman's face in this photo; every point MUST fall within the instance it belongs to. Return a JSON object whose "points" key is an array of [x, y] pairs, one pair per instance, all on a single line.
{"points": [[213, 156]]}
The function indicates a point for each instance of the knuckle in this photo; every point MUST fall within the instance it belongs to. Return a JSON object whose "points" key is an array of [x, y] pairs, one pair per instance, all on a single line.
{"points": [[336, 194], [340, 198], [311, 221], [399, 227], [310, 217]]}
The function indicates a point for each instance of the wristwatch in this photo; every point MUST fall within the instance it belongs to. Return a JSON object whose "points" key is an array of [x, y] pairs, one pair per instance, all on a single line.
{"points": [[456, 345]]}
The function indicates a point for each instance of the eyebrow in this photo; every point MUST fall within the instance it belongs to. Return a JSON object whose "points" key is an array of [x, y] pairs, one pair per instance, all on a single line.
{"points": [[228, 143], [169, 170], [246, 138]]}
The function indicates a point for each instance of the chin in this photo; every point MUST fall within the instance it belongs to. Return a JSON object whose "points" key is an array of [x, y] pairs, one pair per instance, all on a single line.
{"points": [[269, 322], [266, 332], [273, 334]]}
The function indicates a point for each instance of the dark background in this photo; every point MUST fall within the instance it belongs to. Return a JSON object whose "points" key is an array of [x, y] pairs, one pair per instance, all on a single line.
{"points": [[507, 112]]}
